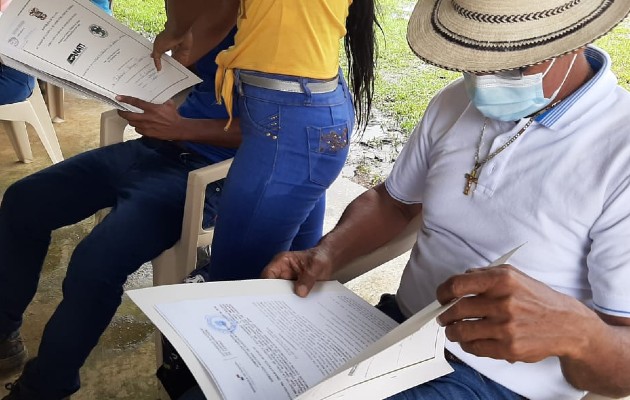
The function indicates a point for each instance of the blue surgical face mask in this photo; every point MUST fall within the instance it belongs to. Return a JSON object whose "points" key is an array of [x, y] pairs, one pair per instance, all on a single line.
{"points": [[510, 95]]}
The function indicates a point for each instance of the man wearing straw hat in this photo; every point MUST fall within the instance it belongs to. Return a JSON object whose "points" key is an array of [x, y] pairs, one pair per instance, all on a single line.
{"points": [[531, 146]]}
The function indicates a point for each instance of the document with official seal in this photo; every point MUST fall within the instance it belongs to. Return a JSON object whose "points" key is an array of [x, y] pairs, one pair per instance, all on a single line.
{"points": [[75, 45], [272, 344]]}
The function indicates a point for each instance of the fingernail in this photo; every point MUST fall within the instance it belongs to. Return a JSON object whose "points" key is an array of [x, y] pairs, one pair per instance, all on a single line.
{"points": [[118, 98], [439, 321], [301, 290]]}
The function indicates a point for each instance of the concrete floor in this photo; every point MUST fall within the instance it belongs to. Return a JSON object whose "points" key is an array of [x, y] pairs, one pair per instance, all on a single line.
{"points": [[123, 364]]}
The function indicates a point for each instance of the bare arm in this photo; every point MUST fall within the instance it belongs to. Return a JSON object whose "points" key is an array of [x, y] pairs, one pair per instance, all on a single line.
{"points": [[510, 316], [602, 365], [208, 31], [185, 15], [371, 220], [162, 121]]}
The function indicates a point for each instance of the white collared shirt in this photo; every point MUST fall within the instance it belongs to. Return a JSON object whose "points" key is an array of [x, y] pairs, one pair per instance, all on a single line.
{"points": [[563, 188]]}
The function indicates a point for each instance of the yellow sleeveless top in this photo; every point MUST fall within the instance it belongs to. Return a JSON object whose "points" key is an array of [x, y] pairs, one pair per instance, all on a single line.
{"points": [[289, 37]]}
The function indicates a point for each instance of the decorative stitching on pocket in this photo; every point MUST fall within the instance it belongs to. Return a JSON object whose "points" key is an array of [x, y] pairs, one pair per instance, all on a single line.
{"points": [[333, 140], [328, 149], [268, 124]]}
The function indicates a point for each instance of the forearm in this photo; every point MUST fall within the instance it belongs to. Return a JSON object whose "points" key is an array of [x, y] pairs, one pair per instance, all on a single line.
{"points": [[602, 364], [209, 131], [371, 220]]}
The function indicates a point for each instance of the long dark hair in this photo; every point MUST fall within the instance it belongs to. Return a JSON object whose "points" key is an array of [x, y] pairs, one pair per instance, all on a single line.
{"points": [[361, 52]]}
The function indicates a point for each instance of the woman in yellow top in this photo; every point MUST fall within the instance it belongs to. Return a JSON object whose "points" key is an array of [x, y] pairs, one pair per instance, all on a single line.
{"points": [[296, 114]]}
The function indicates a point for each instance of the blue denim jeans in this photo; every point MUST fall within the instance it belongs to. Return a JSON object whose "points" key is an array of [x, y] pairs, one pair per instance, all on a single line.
{"points": [[15, 86], [294, 146], [462, 384], [144, 181]]}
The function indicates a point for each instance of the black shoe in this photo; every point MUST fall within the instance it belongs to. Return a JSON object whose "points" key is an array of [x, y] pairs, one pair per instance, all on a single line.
{"points": [[18, 391], [12, 353]]}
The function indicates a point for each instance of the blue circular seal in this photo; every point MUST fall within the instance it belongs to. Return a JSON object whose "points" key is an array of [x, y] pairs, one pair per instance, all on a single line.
{"points": [[221, 324]]}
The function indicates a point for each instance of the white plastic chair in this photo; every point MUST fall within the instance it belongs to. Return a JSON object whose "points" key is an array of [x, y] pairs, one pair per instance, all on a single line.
{"points": [[396, 247], [174, 264], [32, 110], [54, 100]]}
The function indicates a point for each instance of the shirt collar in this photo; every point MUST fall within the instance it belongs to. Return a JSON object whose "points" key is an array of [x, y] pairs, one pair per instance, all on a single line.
{"points": [[600, 62]]}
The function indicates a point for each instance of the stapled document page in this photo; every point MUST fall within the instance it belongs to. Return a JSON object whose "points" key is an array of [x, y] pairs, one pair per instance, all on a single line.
{"points": [[75, 45]]}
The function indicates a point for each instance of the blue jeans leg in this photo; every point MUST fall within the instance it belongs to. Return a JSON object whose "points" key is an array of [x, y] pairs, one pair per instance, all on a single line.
{"points": [[311, 230], [145, 183], [294, 146], [462, 384], [15, 86]]}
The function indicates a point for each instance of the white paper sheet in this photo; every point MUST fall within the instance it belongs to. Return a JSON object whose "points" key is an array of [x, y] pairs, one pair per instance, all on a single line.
{"points": [[273, 344], [75, 45]]}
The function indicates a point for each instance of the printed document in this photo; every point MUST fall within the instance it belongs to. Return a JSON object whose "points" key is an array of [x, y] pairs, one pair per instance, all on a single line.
{"points": [[75, 45], [258, 340]]}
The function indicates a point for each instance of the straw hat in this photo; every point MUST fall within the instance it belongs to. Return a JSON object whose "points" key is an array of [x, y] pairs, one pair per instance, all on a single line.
{"points": [[493, 35]]}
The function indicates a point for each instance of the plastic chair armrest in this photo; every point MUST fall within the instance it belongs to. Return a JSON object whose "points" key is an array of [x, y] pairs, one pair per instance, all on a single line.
{"points": [[193, 234], [390, 250], [112, 128]]}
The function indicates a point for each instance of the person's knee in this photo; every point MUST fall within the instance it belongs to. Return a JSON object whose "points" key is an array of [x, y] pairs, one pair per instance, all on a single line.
{"points": [[92, 284], [20, 203]]}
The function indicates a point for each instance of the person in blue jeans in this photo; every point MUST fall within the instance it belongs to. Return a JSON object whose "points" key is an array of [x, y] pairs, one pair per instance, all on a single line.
{"points": [[15, 86], [297, 116], [144, 181]]}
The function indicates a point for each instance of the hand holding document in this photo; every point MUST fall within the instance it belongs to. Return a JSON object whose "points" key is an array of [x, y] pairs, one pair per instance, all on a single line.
{"points": [[75, 45], [272, 344]]}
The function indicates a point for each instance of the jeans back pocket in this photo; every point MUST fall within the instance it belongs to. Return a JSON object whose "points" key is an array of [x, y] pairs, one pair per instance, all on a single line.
{"points": [[328, 150]]}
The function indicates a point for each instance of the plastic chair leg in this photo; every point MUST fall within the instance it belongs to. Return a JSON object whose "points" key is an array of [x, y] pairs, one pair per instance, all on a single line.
{"points": [[44, 127], [19, 140], [54, 99]]}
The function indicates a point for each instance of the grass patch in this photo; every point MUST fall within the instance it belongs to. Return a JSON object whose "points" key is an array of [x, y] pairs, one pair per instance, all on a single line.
{"points": [[144, 16], [616, 44], [404, 84]]}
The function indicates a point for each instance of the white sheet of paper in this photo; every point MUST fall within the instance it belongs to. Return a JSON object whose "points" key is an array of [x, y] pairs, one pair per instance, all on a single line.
{"points": [[275, 346], [75, 45], [227, 338], [239, 346]]}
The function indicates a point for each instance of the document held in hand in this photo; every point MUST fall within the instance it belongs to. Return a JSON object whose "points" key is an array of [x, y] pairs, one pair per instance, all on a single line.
{"points": [[75, 45], [258, 340]]}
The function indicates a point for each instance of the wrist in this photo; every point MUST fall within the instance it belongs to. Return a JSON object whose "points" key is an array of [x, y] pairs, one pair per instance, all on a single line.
{"points": [[583, 342]]}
